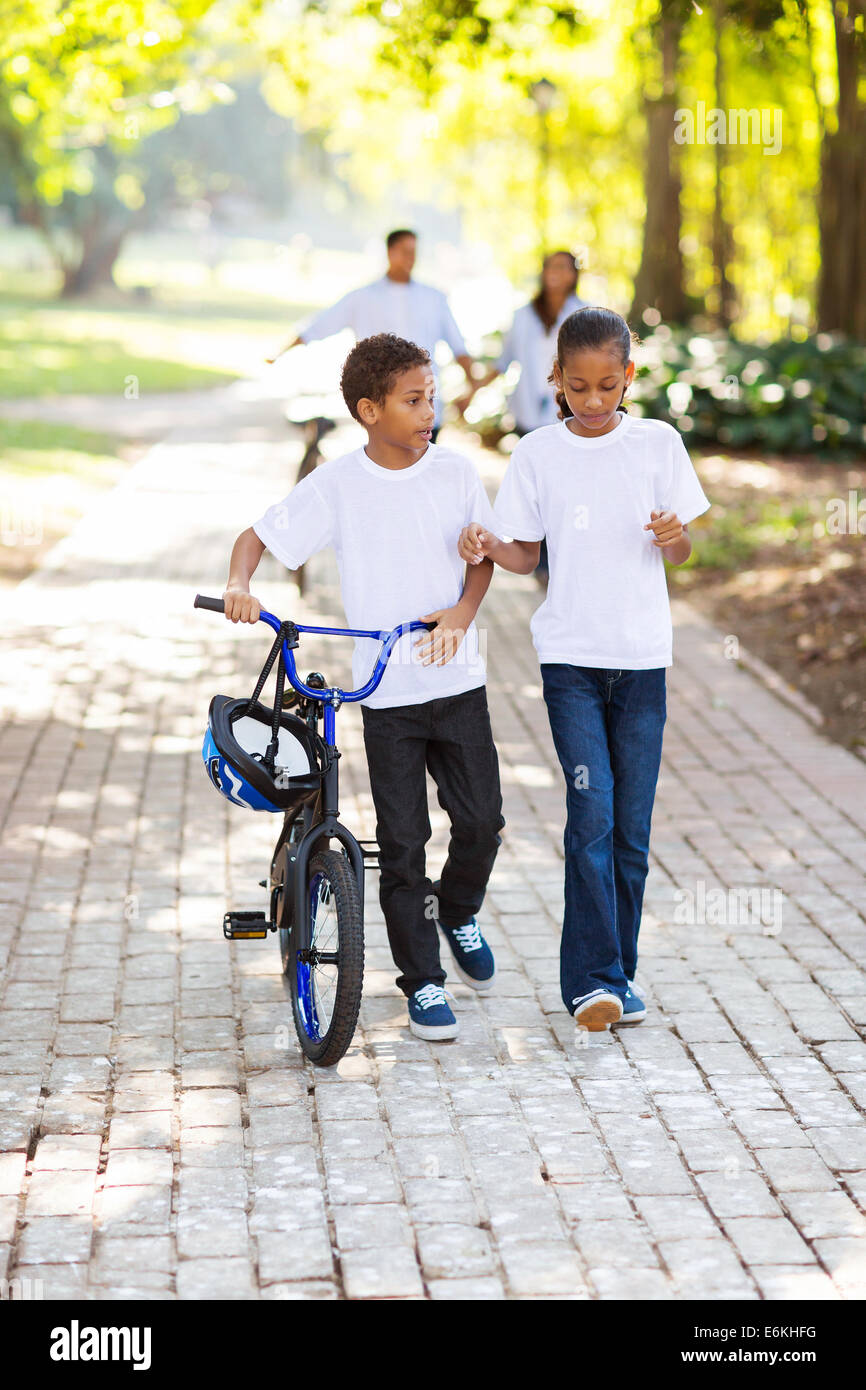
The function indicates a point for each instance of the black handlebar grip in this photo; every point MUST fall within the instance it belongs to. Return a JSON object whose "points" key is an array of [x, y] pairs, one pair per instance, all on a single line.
{"points": [[216, 605], [431, 627]]}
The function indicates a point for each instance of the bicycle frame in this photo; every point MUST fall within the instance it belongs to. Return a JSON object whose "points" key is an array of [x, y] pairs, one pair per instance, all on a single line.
{"points": [[329, 826]]}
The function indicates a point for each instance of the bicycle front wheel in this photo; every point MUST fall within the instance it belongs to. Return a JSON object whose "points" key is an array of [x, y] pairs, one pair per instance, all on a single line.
{"points": [[326, 978]]}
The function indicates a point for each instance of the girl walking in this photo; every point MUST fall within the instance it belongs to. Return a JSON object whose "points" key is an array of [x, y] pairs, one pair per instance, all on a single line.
{"points": [[613, 495]]}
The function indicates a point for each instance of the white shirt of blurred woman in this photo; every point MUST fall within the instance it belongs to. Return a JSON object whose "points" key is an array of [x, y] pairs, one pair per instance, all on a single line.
{"points": [[528, 342]]}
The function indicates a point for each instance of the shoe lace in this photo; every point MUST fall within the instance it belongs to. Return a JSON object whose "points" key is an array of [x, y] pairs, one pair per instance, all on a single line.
{"points": [[584, 998], [469, 937], [429, 996]]}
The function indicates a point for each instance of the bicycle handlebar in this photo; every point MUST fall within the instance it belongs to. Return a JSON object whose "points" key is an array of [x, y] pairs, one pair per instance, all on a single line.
{"points": [[388, 639]]}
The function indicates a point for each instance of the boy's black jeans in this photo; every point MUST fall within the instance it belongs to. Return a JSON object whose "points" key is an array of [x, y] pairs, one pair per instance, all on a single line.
{"points": [[452, 739]]}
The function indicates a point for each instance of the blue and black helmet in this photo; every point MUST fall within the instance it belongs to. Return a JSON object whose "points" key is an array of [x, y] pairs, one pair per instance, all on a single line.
{"points": [[242, 763]]}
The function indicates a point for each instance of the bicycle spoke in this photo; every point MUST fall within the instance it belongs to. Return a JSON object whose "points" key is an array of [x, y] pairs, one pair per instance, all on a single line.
{"points": [[324, 997], [324, 936]]}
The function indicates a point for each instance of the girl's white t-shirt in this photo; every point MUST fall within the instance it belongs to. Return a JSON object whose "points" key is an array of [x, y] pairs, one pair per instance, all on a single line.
{"points": [[395, 535], [607, 599]]}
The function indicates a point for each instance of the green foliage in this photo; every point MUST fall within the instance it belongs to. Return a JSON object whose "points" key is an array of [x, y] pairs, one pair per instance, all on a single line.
{"points": [[784, 396], [83, 83], [455, 121], [730, 537], [79, 74], [431, 99]]}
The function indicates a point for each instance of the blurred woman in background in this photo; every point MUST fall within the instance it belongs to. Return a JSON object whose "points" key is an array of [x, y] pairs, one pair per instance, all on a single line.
{"points": [[531, 342]]}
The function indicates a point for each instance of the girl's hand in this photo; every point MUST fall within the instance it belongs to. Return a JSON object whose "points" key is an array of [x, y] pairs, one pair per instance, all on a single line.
{"points": [[666, 527], [439, 646], [241, 607], [475, 543]]}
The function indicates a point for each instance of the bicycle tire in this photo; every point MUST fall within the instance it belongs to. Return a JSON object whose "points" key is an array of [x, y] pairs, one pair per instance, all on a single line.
{"points": [[326, 1042]]}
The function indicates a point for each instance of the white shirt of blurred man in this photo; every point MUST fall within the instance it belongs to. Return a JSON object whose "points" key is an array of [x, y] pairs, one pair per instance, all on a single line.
{"points": [[394, 304]]}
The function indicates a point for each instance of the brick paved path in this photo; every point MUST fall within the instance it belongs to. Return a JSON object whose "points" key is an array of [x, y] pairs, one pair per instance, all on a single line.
{"points": [[161, 1135]]}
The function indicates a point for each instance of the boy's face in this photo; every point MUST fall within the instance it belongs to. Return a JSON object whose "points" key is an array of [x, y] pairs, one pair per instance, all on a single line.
{"points": [[405, 417]]}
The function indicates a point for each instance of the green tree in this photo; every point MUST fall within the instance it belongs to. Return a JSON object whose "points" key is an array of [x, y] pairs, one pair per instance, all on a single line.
{"points": [[82, 84]]}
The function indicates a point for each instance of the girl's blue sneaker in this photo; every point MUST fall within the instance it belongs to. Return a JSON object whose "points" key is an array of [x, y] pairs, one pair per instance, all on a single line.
{"points": [[473, 958], [633, 1008], [430, 1014], [597, 1010]]}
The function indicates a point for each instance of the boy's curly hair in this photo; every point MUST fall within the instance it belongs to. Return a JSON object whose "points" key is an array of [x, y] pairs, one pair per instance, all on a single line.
{"points": [[374, 364]]}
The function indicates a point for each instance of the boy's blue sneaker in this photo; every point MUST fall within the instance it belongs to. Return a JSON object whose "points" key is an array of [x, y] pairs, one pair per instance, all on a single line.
{"points": [[430, 1014], [633, 1008], [473, 958], [597, 1010]]}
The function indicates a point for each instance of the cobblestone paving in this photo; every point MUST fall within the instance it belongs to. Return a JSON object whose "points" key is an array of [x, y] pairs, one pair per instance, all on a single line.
{"points": [[161, 1136]]}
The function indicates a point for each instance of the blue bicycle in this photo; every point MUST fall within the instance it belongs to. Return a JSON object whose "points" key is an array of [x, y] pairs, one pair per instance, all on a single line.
{"points": [[275, 759]]}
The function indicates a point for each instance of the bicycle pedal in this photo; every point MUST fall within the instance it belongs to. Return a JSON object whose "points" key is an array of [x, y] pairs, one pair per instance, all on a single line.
{"points": [[370, 850], [246, 926]]}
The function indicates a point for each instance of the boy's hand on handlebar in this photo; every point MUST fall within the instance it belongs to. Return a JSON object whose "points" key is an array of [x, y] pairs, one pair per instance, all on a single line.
{"points": [[475, 544], [443, 643], [241, 607]]}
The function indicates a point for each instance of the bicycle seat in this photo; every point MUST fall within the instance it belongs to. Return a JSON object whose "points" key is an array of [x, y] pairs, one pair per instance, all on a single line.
{"points": [[308, 408], [321, 424]]}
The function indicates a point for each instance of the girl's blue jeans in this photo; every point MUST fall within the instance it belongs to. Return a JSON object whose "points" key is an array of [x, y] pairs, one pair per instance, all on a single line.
{"points": [[607, 729]]}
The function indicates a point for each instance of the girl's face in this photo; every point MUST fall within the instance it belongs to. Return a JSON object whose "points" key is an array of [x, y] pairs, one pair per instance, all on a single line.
{"points": [[593, 380]]}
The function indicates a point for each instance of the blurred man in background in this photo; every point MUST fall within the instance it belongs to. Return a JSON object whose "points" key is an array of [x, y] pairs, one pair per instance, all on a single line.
{"points": [[394, 304]]}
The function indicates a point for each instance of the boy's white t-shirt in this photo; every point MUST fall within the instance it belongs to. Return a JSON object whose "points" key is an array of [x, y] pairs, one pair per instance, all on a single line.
{"points": [[395, 534], [607, 600]]}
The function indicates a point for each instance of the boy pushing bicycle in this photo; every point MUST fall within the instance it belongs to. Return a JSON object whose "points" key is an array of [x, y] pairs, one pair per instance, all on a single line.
{"points": [[393, 511]]}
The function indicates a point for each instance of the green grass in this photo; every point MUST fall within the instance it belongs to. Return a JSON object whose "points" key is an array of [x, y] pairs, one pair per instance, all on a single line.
{"points": [[38, 450], [49, 368], [55, 347], [731, 536], [48, 348], [35, 455], [171, 319]]}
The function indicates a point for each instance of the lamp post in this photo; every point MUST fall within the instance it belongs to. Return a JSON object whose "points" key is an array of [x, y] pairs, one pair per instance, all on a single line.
{"points": [[543, 93]]}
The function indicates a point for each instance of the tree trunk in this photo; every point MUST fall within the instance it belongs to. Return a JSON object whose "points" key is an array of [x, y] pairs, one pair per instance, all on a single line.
{"points": [[842, 201], [100, 247], [659, 281], [726, 307]]}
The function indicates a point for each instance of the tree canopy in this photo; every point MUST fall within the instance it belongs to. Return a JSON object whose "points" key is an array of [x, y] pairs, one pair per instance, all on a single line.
{"points": [[749, 216]]}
